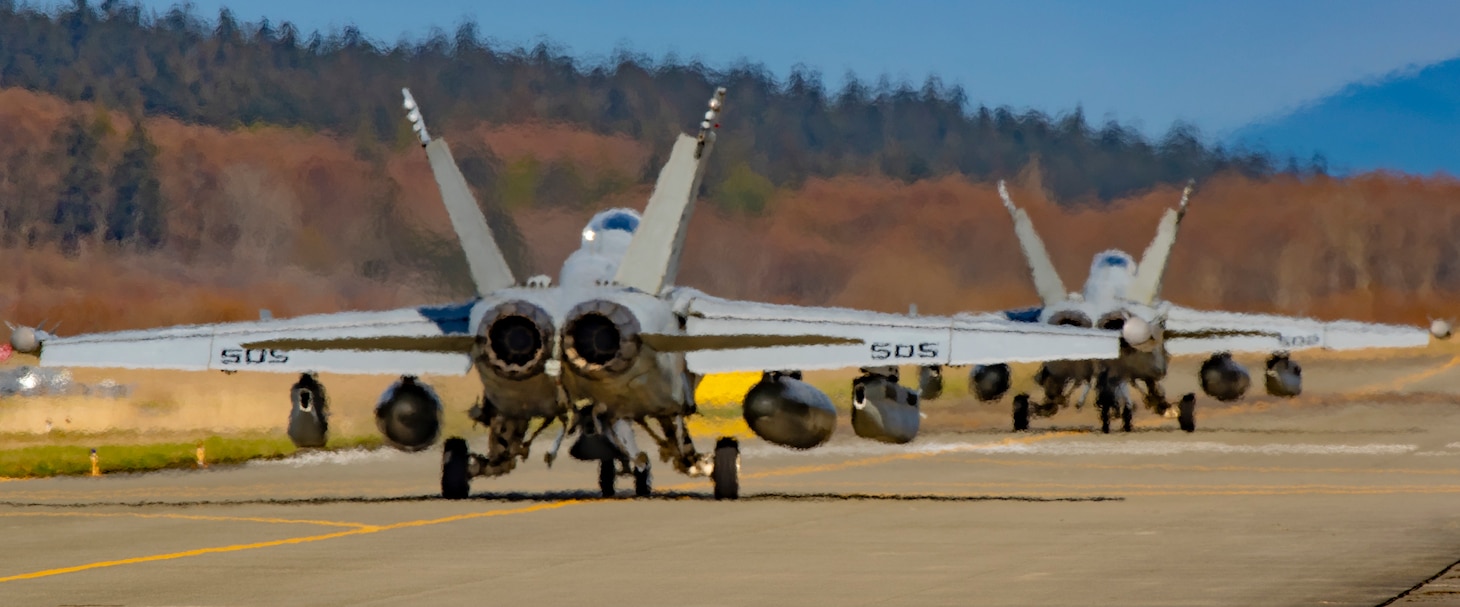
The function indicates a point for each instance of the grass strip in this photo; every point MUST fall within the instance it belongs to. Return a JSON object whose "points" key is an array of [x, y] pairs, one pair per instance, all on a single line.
{"points": [[75, 459]]}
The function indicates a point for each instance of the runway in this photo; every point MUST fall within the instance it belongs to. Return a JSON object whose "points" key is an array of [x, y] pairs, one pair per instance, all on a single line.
{"points": [[1319, 501]]}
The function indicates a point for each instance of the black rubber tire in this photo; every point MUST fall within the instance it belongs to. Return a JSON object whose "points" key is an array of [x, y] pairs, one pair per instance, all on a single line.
{"points": [[1021, 412], [455, 474], [1125, 418], [1186, 413], [643, 483], [607, 471], [726, 474]]}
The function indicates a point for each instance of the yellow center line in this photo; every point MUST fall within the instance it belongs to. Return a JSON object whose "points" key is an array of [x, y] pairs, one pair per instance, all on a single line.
{"points": [[192, 517], [369, 529], [284, 542], [1399, 384]]}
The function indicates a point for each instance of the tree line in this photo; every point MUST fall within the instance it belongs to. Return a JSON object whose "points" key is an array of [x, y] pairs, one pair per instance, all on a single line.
{"points": [[228, 73]]}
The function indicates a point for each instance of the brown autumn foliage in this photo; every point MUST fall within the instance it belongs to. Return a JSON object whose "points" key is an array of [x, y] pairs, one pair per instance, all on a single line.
{"points": [[292, 221]]}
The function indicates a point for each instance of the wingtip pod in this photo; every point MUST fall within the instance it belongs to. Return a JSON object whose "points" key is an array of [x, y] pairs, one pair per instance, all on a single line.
{"points": [[28, 340], [1441, 329], [413, 114]]}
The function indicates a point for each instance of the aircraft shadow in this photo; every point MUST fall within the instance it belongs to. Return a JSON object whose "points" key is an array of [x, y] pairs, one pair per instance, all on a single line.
{"points": [[578, 496]]}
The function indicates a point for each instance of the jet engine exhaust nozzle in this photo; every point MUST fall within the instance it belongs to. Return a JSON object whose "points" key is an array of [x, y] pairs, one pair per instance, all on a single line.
{"points": [[601, 339], [513, 340]]}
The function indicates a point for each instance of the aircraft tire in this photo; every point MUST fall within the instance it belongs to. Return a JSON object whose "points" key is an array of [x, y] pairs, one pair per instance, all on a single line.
{"points": [[643, 486], [1021, 412], [607, 470], [726, 474], [455, 475], [1186, 412]]}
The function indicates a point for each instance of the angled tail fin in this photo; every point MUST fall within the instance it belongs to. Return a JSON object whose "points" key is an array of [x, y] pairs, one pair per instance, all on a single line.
{"points": [[1046, 280], [1152, 268], [489, 268], [652, 259]]}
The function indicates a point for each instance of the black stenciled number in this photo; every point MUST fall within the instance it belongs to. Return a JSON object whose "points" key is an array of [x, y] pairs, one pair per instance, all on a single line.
{"points": [[236, 356], [883, 351]]}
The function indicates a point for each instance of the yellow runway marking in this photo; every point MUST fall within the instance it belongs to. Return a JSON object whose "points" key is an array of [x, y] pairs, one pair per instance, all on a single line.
{"points": [[1199, 468], [366, 529], [190, 517], [362, 529], [1399, 384]]}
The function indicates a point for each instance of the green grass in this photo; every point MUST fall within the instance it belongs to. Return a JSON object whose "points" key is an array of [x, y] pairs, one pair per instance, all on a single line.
{"points": [[75, 458]]}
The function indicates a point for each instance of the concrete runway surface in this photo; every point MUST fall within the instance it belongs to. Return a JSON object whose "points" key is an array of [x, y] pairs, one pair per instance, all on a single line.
{"points": [[1329, 499]]}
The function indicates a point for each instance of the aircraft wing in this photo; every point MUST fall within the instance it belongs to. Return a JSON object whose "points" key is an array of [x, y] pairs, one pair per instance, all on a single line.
{"points": [[835, 338], [1191, 331], [433, 337]]}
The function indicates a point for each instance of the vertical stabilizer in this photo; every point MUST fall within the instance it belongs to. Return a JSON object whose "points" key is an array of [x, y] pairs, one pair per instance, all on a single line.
{"points": [[1152, 268], [489, 270], [652, 259], [1046, 280]]}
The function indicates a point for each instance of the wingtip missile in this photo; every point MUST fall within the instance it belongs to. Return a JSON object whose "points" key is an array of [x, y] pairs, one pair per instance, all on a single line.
{"points": [[1185, 196], [711, 123]]}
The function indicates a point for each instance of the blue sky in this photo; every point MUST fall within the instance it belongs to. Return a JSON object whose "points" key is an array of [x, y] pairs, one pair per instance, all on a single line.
{"points": [[1217, 64]]}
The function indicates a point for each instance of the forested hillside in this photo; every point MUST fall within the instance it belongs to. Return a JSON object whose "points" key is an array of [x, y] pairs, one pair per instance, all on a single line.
{"points": [[221, 72], [166, 172]]}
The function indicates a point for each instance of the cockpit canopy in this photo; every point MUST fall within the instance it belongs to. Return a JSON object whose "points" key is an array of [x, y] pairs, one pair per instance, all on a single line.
{"points": [[1115, 260], [623, 220]]}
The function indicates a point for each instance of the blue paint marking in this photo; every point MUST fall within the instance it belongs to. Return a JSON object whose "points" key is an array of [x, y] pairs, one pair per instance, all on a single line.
{"points": [[1024, 315], [452, 319]]}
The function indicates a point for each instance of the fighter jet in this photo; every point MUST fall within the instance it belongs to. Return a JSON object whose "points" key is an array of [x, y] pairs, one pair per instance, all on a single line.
{"points": [[1123, 296], [614, 345]]}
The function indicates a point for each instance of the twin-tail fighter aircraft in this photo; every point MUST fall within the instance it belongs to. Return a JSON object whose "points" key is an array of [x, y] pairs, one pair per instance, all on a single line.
{"points": [[1123, 296], [613, 344]]}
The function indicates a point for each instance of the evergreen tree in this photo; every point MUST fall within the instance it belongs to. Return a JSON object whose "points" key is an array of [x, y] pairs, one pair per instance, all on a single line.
{"points": [[136, 209], [75, 215]]}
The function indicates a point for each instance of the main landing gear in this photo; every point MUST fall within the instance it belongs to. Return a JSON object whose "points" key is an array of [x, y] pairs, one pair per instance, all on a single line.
{"points": [[609, 442], [1113, 402]]}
